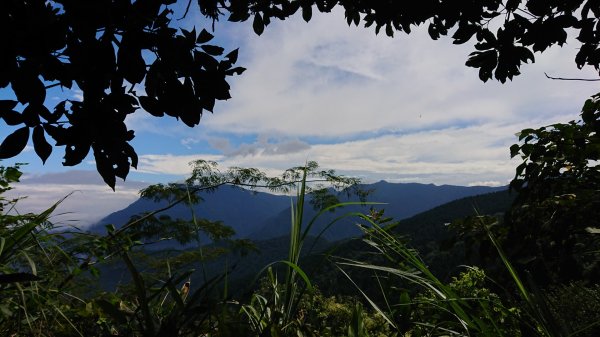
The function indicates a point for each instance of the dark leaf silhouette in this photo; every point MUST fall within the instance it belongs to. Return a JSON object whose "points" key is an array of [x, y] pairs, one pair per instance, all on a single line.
{"points": [[104, 167], [204, 37], [258, 24], [307, 13], [212, 50], [152, 106], [11, 117], [14, 143], [29, 88], [40, 145], [7, 105]]}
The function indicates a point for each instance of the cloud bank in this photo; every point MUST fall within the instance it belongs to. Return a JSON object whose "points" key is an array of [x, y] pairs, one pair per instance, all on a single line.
{"points": [[85, 198], [403, 109]]}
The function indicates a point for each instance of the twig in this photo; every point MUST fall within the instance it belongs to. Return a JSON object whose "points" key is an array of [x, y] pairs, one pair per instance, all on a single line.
{"points": [[187, 9], [52, 85], [572, 79]]}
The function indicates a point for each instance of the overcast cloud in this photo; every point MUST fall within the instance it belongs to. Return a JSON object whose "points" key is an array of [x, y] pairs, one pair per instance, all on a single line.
{"points": [[404, 109]]}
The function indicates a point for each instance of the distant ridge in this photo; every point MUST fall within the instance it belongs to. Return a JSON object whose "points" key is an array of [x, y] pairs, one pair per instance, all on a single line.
{"points": [[402, 200], [426, 232], [260, 216], [239, 208], [423, 231]]}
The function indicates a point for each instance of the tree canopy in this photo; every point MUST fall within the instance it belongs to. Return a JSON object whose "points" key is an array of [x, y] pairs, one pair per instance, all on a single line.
{"points": [[125, 55]]}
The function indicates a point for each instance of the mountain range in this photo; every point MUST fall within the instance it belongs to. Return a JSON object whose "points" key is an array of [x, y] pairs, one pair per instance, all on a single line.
{"points": [[262, 216], [424, 231]]}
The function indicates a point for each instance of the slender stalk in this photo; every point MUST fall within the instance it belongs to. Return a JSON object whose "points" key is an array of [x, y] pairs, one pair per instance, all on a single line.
{"points": [[140, 288]]}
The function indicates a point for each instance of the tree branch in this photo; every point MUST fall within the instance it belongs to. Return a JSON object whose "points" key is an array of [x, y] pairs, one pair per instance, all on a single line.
{"points": [[52, 85], [572, 79]]}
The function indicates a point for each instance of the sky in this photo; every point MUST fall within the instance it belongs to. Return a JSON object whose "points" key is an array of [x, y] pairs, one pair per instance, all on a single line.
{"points": [[402, 109]]}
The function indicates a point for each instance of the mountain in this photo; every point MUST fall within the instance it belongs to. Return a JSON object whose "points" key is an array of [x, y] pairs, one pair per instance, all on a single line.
{"points": [[239, 208], [401, 201], [425, 232], [261, 216]]}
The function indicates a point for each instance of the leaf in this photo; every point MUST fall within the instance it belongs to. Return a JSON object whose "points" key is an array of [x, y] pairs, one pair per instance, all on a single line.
{"points": [[236, 70], [130, 152], [29, 88], [190, 36], [212, 50], [151, 105], [512, 5], [389, 30], [30, 115], [538, 7], [526, 55], [104, 167], [514, 150], [131, 63], [11, 117], [239, 16], [307, 13], [74, 153], [40, 145], [592, 230], [12, 174], [487, 35], [464, 33], [59, 111], [6, 104], [204, 36], [14, 143], [486, 62], [232, 57], [21, 233], [43, 112], [258, 24]]}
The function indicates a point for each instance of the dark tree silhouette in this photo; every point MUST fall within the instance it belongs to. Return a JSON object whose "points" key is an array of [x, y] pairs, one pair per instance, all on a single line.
{"points": [[106, 47]]}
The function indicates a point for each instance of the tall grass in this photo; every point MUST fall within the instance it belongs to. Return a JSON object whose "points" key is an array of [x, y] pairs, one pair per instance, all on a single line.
{"points": [[465, 314], [279, 312], [458, 315], [35, 267]]}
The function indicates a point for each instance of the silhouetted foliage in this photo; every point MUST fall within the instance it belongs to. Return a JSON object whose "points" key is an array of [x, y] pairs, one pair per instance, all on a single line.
{"points": [[524, 26], [551, 229], [105, 48], [557, 205]]}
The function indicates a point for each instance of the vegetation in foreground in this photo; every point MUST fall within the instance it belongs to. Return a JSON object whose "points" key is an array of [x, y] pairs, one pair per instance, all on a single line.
{"points": [[536, 273]]}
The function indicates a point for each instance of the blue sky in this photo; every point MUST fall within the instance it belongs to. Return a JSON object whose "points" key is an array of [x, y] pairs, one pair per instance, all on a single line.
{"points": [[404, 109]]}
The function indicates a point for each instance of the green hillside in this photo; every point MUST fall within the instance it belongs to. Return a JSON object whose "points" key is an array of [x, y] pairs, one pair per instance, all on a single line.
{"points": [[424, 232]]}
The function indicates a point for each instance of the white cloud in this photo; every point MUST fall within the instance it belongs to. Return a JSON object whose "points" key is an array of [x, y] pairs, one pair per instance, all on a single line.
{"points": [[492, 183], [326, 79], [401, 109], [189, 141], [170, 164], [87, 200], [468, 155]]}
